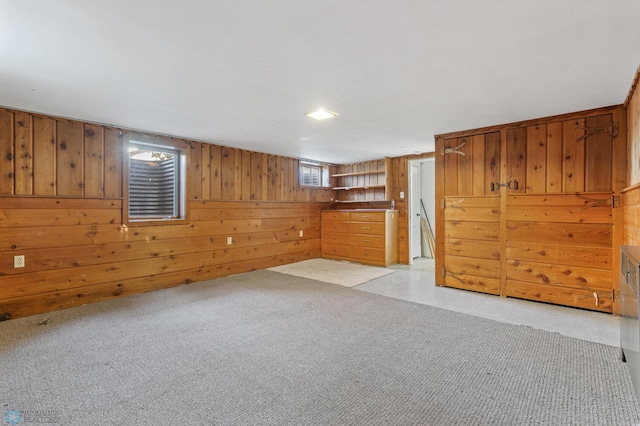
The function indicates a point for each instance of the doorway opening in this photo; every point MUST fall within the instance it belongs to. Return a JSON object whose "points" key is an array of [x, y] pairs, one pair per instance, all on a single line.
{"points": [[422, 213]]}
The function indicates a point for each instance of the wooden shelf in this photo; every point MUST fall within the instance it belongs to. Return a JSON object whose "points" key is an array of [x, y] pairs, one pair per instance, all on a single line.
{"points": [[378, 178], [360, 201], [347, 188], [373, 172]]}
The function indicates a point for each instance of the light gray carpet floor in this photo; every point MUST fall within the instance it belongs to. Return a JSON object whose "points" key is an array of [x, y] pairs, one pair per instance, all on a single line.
{"points": [[266, 348]]}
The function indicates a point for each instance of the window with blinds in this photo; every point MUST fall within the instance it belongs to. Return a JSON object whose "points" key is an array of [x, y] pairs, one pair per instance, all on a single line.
{"points": [[314, 174], [310, 174], [154, 182]]}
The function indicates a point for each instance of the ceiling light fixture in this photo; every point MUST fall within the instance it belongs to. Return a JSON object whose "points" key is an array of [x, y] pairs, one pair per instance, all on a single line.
{"points": [[321, 114]]}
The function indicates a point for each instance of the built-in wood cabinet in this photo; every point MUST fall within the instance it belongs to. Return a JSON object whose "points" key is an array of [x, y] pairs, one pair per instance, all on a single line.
{"points": [[530, 210], [363, 236]]}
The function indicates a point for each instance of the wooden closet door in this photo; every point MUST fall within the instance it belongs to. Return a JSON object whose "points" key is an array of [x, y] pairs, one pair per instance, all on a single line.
{"points": [[468, 233], [559, 213]]}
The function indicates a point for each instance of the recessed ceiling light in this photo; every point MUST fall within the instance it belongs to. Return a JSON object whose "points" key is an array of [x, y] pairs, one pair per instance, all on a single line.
{"points": [[321, 114]]}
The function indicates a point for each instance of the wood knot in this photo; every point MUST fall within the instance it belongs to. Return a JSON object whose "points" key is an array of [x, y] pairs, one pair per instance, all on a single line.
{"points": [[63, 145]]}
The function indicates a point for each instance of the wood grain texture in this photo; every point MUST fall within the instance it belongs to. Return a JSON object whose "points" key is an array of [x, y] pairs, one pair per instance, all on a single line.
{"points": [[536, 159], [112, 162], [7, 155], [93, 160], [76, 245], [69, 168], [560, 218], [44, 156], [23, 153]]}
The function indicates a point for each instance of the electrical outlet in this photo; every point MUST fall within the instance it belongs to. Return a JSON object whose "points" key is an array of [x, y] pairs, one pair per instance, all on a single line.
{"points": [[401, 195], [18, 261], [229, 241], [301, 233]]}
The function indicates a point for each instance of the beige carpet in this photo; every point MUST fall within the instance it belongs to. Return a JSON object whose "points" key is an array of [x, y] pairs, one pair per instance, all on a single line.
{"points": [[339, 272]]}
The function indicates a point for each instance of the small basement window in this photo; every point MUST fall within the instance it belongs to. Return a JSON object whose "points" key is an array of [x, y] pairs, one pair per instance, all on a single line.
{"points": [[314, 174], [156, 177]]}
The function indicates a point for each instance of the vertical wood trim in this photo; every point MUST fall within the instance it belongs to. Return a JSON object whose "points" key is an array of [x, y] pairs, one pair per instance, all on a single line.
{"points": [[451, 168], [216, 172], [228, 175], [555, 163], [264, 180], [388, 195], [256, 176], [440, 192], [6, 153], [536, 159], [598, 156], [113, 162], [205, 161], [465, 167], [503, 216], [195, 170], [516, 160], [293, 172], [478, 161], [493, 162], [70, 159], [619, 182], [284, 173], [246, 175], [573, 156], [93, 160], [44, 156], [23, 154], [237, 167]]}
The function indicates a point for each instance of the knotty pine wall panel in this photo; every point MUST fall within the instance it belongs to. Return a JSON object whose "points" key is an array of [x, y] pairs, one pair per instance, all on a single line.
{"points": [[61, 207], [631, 195]]}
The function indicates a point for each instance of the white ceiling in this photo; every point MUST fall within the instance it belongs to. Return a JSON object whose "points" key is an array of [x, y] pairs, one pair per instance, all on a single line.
{"points": [[243, 73]]}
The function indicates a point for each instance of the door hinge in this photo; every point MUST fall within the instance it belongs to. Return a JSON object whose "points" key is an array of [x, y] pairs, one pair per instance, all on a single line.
{"points": [[615, 295], [443, 204], [615, 201]]}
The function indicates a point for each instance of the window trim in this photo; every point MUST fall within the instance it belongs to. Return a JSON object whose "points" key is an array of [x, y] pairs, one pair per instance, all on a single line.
{"points": [[182, 176], [324, 174]]}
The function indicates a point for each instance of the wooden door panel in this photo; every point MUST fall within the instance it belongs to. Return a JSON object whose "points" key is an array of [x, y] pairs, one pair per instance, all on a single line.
{"points": [[517, 159], [589, 279], [472, 248], [594, 235], [559, 295], [485, 231], [479, 284], [536, 158], [599, 154], [458, 266], [570, 214], [571, 255], [474, 214]]}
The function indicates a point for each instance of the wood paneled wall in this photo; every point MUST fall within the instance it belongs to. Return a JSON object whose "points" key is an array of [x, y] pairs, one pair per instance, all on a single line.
{"points": [[631, 196], [61, 207]]}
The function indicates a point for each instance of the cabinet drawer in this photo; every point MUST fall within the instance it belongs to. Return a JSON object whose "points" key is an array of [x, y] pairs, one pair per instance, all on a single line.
{"points": [[373, 241], [336, 250], [336, 238], [367, 217], [334, 226], [374, 228], [373, 254], [328, 215]]}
